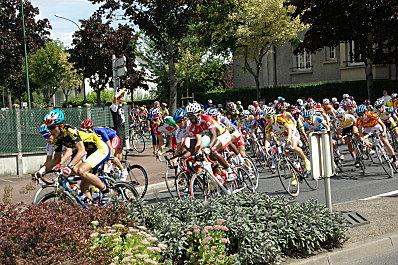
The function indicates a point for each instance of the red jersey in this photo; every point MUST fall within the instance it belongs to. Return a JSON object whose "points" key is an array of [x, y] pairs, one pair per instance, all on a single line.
{"points": [[368, 121], [205, 124]]}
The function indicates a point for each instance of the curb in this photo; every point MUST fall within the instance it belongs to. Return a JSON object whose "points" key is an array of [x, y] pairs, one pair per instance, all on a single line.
{"points": [[156, 188], [353, 253]]}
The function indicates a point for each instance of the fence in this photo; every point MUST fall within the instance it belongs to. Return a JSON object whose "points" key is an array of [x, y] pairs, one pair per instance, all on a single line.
{"points": [[18, 128]]}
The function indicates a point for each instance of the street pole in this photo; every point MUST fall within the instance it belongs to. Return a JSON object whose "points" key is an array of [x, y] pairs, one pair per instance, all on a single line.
{"points": [[26, 54], [84, 83]]}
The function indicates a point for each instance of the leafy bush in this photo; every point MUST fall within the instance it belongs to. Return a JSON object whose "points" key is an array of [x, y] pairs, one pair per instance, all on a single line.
{"points": [[53, 233], [127, 245], [263, 229], [106, 98]]}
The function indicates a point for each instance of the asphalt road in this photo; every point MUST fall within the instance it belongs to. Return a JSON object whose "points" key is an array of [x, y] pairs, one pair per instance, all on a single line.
{"points": [[388, 258]]}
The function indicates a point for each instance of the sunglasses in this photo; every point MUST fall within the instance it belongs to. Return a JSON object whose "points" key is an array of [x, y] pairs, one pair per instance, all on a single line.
{"points": [[51, 127]]}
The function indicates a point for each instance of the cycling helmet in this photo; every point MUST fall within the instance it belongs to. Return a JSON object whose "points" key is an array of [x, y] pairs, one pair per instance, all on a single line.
{"points": [[238, 103], [44, 131], [300, 102], [87, 124], [326, 101], [210, 101], [268, 111], [379, 103], [346, 96], [245, 113], [360, 109], [350, 104], [55, 117], [367, 102], [251, 108], [394, 95], [231, 106], [334, 100], [340, 112], [281, 99], [179, 115], [212, 112], [255, 103], [169, 121], [193, 108], [310, 100], [155, 113], [308, 114]]}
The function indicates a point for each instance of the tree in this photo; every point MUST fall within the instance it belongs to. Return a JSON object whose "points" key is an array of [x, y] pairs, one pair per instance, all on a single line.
{"points": [[263, 24], [94, 46], [11, 43], [166, 23], [50, 69], [368, 23], [70, 81]]}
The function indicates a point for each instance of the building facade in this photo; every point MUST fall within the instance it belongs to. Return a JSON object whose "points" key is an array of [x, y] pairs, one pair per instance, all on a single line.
{"points": [[281, 67]]}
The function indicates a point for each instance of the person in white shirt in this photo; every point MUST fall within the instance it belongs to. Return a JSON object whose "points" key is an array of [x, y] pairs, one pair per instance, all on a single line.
{"points": [[119, 120], [385, 96]]}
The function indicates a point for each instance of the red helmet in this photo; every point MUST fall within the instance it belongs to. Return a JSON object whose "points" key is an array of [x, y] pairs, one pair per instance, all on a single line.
{"points": [[255, 104], [87, 124], [350, 104]]}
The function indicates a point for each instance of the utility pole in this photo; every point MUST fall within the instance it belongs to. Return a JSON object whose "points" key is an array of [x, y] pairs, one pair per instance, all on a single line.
{"points": [[26, 53]]}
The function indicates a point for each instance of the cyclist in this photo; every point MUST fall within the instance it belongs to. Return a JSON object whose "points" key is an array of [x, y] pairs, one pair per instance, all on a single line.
{"points": [[167, 128], [387, 115], [346, 128], [110, 137], [284, 131], [220, 137], [393, 102], [314, 123], [369, 122], [335, 103], [86, 144]]}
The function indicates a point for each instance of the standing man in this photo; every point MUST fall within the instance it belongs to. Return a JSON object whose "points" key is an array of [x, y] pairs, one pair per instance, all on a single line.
{"points": [[119, 120], [385, 97]]}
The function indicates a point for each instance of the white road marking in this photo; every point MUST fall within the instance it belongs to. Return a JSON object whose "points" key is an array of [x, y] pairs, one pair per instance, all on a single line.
{"points": [[7, 180], [381, 195]]}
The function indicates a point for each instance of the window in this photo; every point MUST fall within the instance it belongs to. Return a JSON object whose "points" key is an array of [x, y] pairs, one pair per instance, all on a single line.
{"points": [[331, 53], [303, 61], [353, 57]]}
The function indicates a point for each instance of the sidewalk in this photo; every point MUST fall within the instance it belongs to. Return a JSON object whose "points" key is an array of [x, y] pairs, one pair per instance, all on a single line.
{"points": [[377, 237], [14, 189]]}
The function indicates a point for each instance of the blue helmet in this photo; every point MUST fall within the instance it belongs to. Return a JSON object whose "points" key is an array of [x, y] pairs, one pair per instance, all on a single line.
{"points": [[44, 131], [56, 116], [212, 112], [308, 114], [179, 115], [361, 109]]}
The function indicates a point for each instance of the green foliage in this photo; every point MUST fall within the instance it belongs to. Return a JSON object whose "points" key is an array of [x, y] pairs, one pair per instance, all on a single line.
{"points": [[106, 98], [262, 229], [317, 91], [127, 245]]}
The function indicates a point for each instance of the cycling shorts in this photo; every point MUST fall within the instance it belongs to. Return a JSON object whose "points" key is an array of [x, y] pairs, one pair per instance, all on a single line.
{"points": [[225, 139], [376, 128], [98, 157], [347, 131], [390, 123], [295, 138], [116, 143]]}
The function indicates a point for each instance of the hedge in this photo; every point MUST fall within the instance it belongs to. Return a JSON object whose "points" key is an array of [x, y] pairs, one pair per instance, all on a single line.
{"points": [[317, 91]]}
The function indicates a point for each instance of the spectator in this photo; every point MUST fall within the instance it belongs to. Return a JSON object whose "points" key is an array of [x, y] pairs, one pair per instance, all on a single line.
{"points": [[154, 117], [119, 120], [385, 96], [164, 110]]}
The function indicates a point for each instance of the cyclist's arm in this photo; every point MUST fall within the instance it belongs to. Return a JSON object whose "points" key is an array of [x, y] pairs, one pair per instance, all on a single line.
{"points": [[198, 142], [326, 125], [382, 125], [213, 132]]}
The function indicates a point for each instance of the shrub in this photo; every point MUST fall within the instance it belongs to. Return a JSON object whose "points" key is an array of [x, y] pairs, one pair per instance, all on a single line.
{"points": [[53, 233], [127, 245], [263, 229]]}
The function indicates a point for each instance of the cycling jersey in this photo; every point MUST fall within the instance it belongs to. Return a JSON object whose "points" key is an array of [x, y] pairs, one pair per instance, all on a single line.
{"points": [[316, 124], [277, 125], [164, 128], [205, 124], [392, 103], [386, 114], [107, 134], [368, 120], [348, 121], [70, 136]]}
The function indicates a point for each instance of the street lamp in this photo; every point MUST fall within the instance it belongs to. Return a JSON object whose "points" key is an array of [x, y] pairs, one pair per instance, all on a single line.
{"points": [[77, 25], [25, 53]]}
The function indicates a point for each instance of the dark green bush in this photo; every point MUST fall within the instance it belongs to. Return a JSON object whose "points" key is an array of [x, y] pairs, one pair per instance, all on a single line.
{"points": [[263, 229]]}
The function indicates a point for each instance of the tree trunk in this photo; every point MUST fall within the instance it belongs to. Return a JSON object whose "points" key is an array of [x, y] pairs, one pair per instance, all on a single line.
{"points": [[9, 99], [257, 80], [98, 97], [369, 77], [66, 99], [172, 78]]}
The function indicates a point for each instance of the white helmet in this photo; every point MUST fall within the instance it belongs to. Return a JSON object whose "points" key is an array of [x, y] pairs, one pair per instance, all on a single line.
{"points": [[334, 100], [193, 108], [346, 96], [268, 111], [251, 108], [325, 101], [300, 102]]}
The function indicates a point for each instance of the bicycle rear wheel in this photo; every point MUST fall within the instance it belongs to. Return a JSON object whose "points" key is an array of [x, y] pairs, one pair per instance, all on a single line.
{"points": [[53, 196], [384, 161], [170, 178], [287, 174], [243, 179], [252, 170], [137, 141], [138, 178], [121, 191]]}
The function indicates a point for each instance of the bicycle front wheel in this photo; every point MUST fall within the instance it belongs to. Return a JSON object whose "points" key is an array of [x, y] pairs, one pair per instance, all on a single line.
{"points": [[54, 196], [137, 141], [121, 191], [384, 161], [182, 185], [170, 178], [138, 178], [289, 177]]}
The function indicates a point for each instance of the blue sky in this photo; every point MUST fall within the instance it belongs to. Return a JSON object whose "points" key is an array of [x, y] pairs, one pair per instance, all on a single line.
{"points": [[73, 9]]}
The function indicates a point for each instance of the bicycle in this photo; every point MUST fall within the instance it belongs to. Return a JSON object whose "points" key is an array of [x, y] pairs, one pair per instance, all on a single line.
{"points": [[136, 139], [137, 175], [64, 188], [290, 169]]}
